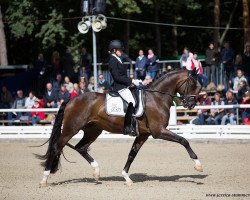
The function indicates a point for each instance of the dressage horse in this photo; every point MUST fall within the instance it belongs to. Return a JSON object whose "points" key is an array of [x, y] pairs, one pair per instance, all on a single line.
{"points": [[87, 112]]}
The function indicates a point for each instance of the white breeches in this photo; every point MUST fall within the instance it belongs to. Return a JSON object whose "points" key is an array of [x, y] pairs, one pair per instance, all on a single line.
{"points": [[127, 95]]}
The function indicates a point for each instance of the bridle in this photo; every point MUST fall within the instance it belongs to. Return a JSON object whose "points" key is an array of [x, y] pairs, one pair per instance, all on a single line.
{"points": [[189, 101]]}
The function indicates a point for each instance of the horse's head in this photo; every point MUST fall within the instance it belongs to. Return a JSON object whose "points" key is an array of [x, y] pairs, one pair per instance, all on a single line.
{"points": [[188, 86]]}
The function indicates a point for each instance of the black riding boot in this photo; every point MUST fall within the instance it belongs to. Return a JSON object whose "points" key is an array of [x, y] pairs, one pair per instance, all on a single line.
{"points": [[130, 124]]}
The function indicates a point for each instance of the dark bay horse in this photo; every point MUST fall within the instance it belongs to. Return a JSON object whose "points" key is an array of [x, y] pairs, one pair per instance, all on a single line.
{"points": [[87, 112]]}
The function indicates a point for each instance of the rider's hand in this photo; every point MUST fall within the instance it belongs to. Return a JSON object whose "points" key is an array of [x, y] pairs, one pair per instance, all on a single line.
{"points": [[132, 86]]}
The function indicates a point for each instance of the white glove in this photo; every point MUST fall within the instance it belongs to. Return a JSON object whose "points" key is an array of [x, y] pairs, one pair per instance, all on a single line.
{"points": [[136, 82]]}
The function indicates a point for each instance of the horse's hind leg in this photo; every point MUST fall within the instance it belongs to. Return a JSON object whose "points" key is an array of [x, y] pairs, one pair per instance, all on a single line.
{"points": [[90, 135], [170, 136]]}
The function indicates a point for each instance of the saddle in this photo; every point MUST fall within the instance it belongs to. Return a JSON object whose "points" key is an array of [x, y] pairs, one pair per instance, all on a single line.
{"points": [[117, 106]]}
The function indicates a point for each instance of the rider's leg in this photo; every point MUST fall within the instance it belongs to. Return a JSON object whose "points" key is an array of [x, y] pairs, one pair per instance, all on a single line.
{"points": [[129, 127]]}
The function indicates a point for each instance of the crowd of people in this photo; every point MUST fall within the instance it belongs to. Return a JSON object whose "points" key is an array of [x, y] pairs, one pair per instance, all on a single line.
{"points": [[59, 82]]}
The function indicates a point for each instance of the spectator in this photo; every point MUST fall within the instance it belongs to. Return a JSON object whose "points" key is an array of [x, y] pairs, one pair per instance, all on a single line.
{"points": [[243, 88], [69, 86], [86, 62], [203, 100], [57, 83], [103, 84], [75, 92], [68, 65], [83, 74], [194, 63], [216, 114], [238, 62], [152, 67], [6, 98], [227, 57], [211, 62], [55, 65], [41, 67], [91, 84], [229, 112], [147, 80], [50, 97], [246, 61], [36, 117], [140, 65], [184, 58], [82, 87], [63, 95], [221, 90], [19, 103], [246, 111], [29, 102], [239, 77]]}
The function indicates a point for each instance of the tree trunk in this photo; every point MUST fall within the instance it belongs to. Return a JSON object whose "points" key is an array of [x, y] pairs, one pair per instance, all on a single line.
{"points": [[127, 35], [229, 22], [3, 50], [157, 28], [246, 21], [175, 38], [216, 23]]}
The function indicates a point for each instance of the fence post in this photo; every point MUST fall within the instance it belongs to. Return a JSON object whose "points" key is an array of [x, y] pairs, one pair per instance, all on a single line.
{"points": [[237, 113]]}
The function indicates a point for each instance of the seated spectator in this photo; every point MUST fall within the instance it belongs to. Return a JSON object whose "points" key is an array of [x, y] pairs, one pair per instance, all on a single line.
{"points": [[229, 112], [69, 86], [19, 103], [50, 97], [216, 114], [243, 88], [239, 77], [246, 111], [63, 95], [221, 90], [203, 100], [57, 83], [36, 117], [6, 98], [91, 84], [83, 88], [147, 80], [103, 84], [75, 92], [30, 100]]}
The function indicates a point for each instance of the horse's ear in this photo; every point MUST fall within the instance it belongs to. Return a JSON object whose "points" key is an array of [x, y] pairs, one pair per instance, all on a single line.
{"points": [[194, 72]]}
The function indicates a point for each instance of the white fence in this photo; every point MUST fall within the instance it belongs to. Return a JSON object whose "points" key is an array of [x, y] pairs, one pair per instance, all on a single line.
{"points": [[189, 131]]}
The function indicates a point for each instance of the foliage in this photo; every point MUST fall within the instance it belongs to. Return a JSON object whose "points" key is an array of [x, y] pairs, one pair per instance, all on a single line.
{"points": [[41, 26], [53, 31]]}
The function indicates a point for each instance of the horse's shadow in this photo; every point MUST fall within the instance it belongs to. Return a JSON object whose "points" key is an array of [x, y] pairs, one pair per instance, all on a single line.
{"points": [[139, 177]]}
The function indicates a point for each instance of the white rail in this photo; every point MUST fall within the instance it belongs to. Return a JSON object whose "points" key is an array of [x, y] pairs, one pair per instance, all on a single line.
{"points": [[188, 131]]}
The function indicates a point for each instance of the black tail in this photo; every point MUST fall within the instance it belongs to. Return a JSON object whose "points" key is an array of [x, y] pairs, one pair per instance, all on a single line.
{"points": [[52, 154]]}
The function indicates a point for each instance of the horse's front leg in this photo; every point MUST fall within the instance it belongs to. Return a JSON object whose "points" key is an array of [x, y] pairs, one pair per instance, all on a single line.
{"points": [[168, 135], [139, 141]]}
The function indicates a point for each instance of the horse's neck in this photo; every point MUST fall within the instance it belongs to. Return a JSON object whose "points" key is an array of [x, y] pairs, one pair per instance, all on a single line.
{"points": [[166, 85]]}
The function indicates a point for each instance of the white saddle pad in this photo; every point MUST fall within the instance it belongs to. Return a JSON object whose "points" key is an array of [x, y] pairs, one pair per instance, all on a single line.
{"points": [[115, 107]]}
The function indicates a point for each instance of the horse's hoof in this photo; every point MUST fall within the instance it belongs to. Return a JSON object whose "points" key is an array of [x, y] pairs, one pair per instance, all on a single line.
{"points": [[43, 184], [96, 176], [129, 183], [199, 168]]}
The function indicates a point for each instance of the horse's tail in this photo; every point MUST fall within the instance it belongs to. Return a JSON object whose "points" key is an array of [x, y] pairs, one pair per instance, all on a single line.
{"points": [[52, 154]]}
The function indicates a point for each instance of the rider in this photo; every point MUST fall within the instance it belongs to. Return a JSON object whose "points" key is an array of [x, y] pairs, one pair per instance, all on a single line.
{"points": [[123, 85]]}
